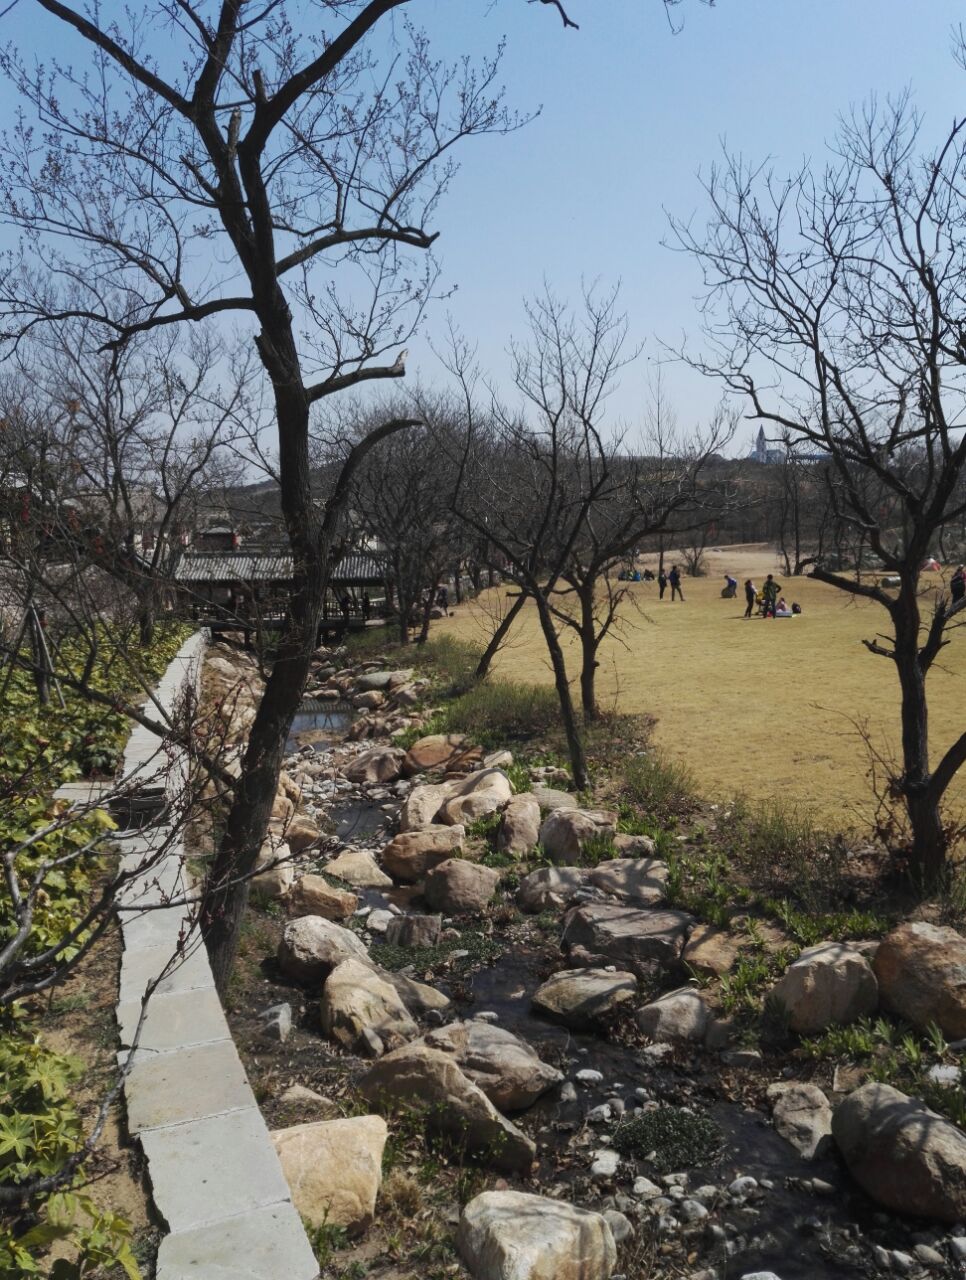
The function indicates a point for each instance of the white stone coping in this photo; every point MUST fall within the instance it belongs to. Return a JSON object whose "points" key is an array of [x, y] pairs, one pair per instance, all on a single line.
{"points": [[216, 1180]]}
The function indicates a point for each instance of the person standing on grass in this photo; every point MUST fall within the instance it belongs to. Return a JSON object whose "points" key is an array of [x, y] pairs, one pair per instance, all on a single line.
{"points": [[674, 578], [661, 584], [750, 597], [770, 591], [957, 584]]}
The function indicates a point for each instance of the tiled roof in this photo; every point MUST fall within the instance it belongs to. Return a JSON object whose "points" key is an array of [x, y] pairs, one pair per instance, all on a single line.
{"points": [[266, 566]]}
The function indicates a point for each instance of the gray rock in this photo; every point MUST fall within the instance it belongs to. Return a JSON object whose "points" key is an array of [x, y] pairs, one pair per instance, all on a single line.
{"points": [[519, 827], [565, 832], [640, 881], [627, 935], [582, 998], [550, 888], [903, 1155], [803, 1117], [828, 985], [507, 1070], [677, 1015], [605, 1165], [621, 1227], [550, 799], [414, 931]]}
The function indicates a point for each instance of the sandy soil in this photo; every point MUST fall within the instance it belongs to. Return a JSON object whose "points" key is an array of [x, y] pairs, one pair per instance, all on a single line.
{"points": [[764, 708]]}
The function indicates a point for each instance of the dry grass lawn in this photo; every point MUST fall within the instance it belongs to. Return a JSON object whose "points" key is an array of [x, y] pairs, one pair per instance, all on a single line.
{"points": [[762, 708]]}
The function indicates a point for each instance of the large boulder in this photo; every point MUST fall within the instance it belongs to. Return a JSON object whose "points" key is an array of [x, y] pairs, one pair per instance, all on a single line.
{"points": [[630, 936], [363, 1011], [550, 888], [411, 854], [457, 887], [828, 985], [921, 969], [641, 881], [904, 1156], [507, 1070], [334, 1169], [511, 1235], [453, 1105], [311, 947], [359, 868], [519, 828], [450, 752], [370, 680], [677, 1015], [802, 1116], [583, 998], [378, 764], [565, 833], [476, 796], [314, 896]]}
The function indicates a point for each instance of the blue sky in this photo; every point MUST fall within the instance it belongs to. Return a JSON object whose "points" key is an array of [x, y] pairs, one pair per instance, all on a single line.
{"points": [[630, 114]]}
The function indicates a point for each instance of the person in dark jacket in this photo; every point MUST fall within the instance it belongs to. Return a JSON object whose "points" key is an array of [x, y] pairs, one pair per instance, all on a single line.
{"points": [[661, 584], [750, 596], [674, 578], [771, 591], [957, 584]]}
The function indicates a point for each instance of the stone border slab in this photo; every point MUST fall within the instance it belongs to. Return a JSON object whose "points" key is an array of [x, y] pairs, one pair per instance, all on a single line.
{"points": [[216, 1180]]}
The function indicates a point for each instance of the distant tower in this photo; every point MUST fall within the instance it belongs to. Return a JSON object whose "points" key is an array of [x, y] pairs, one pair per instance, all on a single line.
{"points": [[761, 448]]}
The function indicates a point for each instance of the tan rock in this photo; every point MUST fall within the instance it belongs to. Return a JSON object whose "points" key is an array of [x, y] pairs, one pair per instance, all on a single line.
{"points": [[550, 888], [379, 764], [301, 832], [453, 1105], [676, 1015], [363, 1011], [334, 1169], [511, 1235], [520, 825], [474, 797], [268, 886], [314, 896], [565, 832], [711, 950], [642, 881], [420, 807], [282, 807], [458, 887], [448, 751], [359, 868], [289, 787], [411, 854], [311, 947], [802, 1115], [921, 970]]}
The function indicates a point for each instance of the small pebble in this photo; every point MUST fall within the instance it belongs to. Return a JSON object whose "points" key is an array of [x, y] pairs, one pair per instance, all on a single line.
{"points": [[620, 1227], [902, 1261], [743, 1186], [691, 1211], [605, 1165], [646, 1189], [568, 1091], [599, 1115], [486, 1015], [589, 1076]]}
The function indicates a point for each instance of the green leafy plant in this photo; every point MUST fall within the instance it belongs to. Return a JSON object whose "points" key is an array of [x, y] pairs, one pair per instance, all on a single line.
{"points": [[678, 1138]]}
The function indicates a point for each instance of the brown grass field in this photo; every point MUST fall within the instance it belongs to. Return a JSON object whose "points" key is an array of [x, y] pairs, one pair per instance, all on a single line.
{"points": [[760, 708]]}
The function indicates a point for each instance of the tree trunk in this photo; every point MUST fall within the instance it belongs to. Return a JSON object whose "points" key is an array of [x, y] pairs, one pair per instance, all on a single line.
{"points": [[457, 585], [575, 746], [588, 649], [146, 618], [929, 840], [226, 893], [499, 635]]}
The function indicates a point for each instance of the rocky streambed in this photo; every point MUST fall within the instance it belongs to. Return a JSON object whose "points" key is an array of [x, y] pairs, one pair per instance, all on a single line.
{"points": [[435, 983]]}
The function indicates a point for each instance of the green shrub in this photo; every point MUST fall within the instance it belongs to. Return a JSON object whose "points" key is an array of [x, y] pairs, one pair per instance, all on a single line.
{"points": [[496, 712], [662, 788]]}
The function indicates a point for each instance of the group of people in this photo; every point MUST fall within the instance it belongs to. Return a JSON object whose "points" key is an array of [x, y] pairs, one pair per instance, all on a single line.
{"points": [[672, 580], [769, 601]]}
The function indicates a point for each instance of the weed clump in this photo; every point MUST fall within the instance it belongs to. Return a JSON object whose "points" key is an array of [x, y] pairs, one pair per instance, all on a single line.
{"points": [[671, 1138]]}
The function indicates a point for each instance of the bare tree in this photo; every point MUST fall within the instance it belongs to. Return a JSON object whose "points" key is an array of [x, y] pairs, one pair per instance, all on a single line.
{"points": [[236, 184], [835, 305]]}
